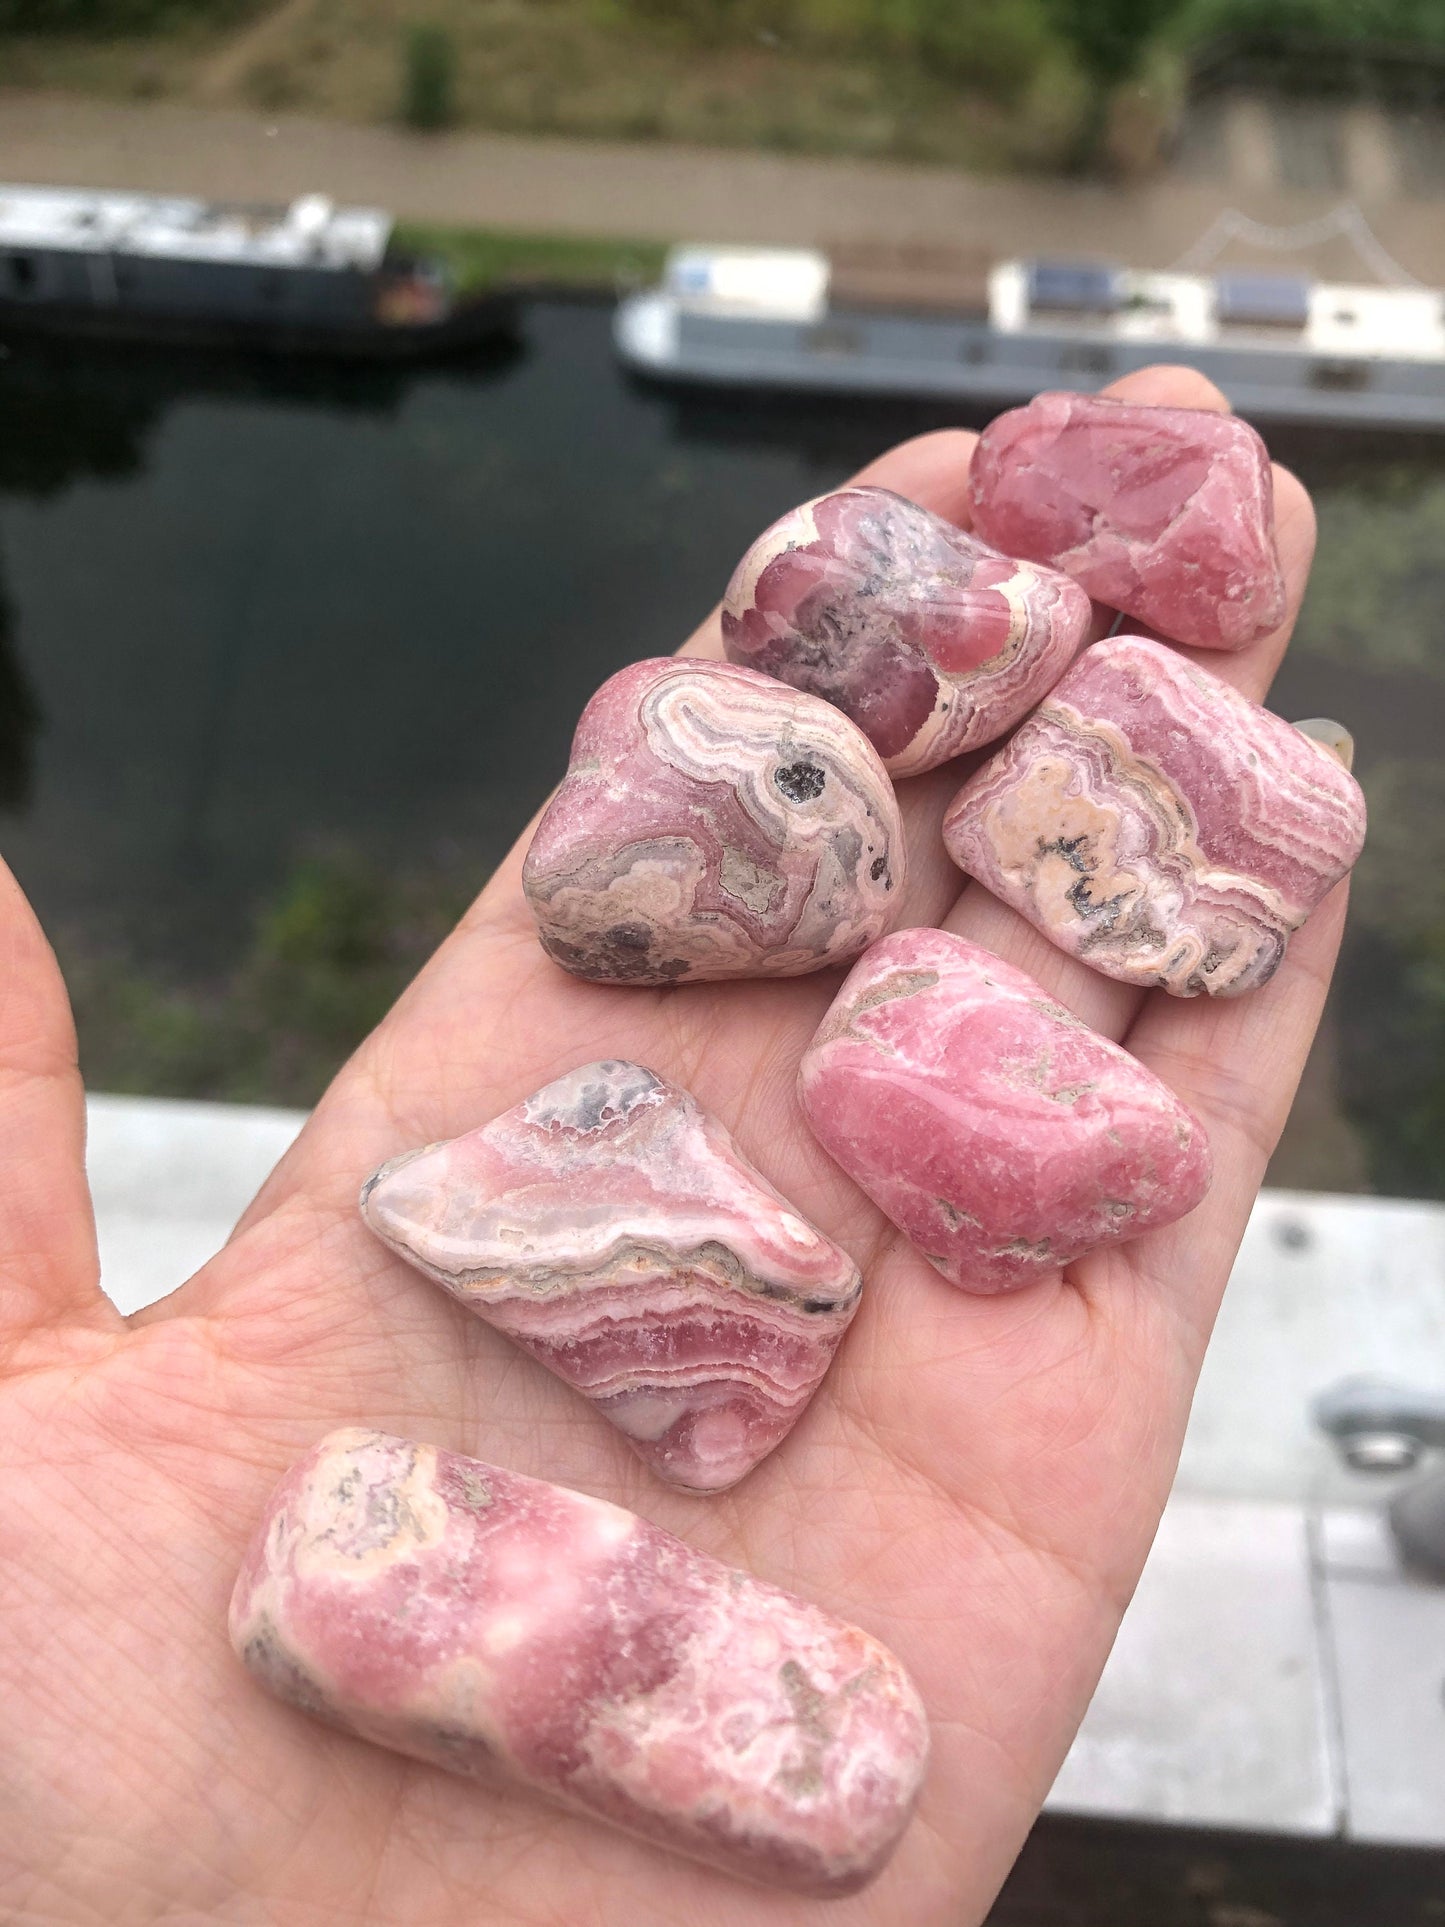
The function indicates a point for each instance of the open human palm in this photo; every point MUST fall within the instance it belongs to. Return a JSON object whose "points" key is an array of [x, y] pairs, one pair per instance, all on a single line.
{"points": [[977, 1481]]}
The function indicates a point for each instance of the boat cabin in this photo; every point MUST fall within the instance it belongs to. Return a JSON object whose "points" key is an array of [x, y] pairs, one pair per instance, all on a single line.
{"points": [[1232, 308], [73, 249]]}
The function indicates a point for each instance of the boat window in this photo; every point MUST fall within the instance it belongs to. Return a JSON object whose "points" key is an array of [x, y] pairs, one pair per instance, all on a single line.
{"points": [[1336, 375], [1078, 286], [1081, 359], [1262, 300], [834, 340], [22, 272]]}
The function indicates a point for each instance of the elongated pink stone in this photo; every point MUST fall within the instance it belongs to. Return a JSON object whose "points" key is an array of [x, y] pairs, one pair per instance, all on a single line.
{"points": [[930, 640], [1158, 825], [612, 1229], [1164, 513], [997, 1131], [713, 823], [524, 1634]]}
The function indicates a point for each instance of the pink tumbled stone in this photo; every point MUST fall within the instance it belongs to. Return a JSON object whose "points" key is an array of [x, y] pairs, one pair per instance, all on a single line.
{"points": [[931, 641], [529, 1636], [1157, 824], [611, 1228], [1164, 513], [713, 823], [998, 1132]]}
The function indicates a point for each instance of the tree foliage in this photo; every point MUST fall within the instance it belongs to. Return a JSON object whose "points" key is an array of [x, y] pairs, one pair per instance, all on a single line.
{"points": [[115, 16], [1393, 22], [1109, 37]]}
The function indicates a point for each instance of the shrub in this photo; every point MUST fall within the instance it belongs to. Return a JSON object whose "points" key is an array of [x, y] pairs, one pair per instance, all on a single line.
{"points": [[429, 78], [1111, 37]]}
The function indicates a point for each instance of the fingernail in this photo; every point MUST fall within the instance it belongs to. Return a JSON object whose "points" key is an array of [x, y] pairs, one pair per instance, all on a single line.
{"points": [[1335, 737]]}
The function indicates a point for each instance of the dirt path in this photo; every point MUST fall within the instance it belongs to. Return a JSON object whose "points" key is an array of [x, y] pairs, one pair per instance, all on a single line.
{"points": [[644, 191]]}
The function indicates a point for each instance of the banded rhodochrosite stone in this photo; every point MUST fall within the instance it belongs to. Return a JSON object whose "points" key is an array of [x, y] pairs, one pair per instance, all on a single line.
{"points": [[932, 642], [1164, 513], [519, 1632], [998, 1132], [611, 1227], [1159, 825], [713, 823]]}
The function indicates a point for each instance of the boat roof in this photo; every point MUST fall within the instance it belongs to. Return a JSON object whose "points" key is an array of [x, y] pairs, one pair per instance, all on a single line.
{"points": [[1350, 320], [780, 283], [1092, 300], [311, 232]]}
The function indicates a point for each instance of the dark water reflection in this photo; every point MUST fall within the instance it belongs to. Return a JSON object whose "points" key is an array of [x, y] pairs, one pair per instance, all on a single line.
{"points": [[294, 652]]}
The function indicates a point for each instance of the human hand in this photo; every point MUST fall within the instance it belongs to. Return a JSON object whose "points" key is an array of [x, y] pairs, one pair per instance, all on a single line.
{"points": [[977, 1481]]}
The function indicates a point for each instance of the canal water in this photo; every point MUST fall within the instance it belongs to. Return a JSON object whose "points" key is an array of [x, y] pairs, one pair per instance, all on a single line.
{"points": [[288, 655]]}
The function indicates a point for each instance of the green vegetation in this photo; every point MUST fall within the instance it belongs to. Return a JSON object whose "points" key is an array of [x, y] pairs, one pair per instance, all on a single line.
{"points": [[481, 258], [1371, 627], [998, 46], [326, 960], [1392, 1049], [429, 78], [1380, 543], [980, 43], [1110, 37], [982, 84], [1390, 1000], [116, 16], [1389, 22]]}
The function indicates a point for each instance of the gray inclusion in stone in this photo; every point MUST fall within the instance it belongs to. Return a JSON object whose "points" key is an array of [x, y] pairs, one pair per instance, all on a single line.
{"points": [[592, 1096]]}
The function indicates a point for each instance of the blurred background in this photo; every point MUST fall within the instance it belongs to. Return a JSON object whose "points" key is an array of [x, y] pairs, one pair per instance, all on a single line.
{"points": [[297, 612]]}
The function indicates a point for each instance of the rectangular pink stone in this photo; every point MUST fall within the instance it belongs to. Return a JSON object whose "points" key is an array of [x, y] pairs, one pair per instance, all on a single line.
{"points": [[1164, 513], [1001, 1134], [1158, 825], [526, 1635]]}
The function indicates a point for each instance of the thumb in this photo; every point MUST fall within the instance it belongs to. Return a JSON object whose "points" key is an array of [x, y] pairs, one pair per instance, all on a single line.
{"points": [[49, 1272]]}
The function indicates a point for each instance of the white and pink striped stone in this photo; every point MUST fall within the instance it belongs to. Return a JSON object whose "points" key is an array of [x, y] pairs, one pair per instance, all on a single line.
{"points": [[613, 1230], [528, 1636], [1164, 513], [1158, 825], [713, 823], [998, 1132], [932, 642]]}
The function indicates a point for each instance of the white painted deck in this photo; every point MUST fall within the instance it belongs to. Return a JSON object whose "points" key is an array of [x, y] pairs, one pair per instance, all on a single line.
{"points": [[1277, 1670]]}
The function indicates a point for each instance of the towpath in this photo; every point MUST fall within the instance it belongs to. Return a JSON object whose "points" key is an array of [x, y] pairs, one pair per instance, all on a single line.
{"points": [[648, 191]]}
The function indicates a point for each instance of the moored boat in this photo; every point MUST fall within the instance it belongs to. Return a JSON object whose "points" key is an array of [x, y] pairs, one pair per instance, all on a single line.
{"points": [[310, 277], [931, 323]]}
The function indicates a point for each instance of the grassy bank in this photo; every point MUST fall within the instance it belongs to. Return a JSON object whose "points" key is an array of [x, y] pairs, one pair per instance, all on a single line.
{"points": [[325, 959], [596, 69], [482, 258], [981, 84]]}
